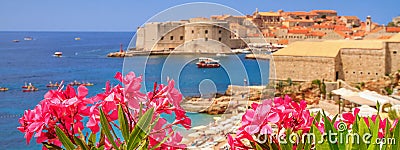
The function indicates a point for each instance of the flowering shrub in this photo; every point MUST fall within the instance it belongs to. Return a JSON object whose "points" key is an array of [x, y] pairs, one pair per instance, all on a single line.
{"points": [[58, 120], [284, 124]]}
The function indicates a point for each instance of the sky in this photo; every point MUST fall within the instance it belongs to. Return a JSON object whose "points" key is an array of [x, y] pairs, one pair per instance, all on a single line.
{"points": [[127, 15]]}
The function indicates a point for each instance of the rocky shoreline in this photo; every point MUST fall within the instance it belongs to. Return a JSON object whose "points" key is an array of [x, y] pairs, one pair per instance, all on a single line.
{"points": [[235, 98]]}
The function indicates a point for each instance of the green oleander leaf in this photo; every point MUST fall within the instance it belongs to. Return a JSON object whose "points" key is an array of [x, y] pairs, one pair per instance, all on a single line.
{"points": [[123, 123], [64, 139], [330, 129], [105, 127], [139, 132], [81, 143]]}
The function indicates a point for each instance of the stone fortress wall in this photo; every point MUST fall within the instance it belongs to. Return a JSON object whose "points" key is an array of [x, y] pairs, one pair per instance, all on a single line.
{"points": [[351, 60], [168, 36]]}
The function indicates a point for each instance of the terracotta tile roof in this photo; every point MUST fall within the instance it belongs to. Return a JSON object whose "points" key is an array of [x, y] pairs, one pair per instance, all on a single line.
{"points": [[283, 41], [320, 34], [341, 28], [298, 31], [393, 29], [342, 34], [284, 27], [359, 33]]}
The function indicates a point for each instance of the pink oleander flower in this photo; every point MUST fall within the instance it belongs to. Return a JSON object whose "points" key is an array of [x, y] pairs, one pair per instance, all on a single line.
{"points": [[283, 112], [256, 121], [235, 143], [382, 125], [63, 108], [349, 118], [67, 108], [297, 119]]}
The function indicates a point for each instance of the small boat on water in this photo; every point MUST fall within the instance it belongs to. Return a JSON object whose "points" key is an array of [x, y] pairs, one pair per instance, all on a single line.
{"points": [[246, 52], [87, 84], [75, 83], [3, 89], [237, 50], [28, 38], [77, 38], [15, 41], [57, 54], [31, 89], [50, 85], [205, 62]]}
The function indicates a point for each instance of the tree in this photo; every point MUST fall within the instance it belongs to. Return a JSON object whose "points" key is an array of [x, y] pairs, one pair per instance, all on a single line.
{"points": [[289, 81], [391, 24]]}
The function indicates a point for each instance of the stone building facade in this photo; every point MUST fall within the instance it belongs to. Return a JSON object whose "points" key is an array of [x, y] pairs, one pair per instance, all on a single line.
{"points": [[349, 60], [168, 36]]}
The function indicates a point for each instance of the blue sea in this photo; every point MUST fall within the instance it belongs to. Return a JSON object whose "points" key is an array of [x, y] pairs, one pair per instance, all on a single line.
{"points": [[85, 60]]}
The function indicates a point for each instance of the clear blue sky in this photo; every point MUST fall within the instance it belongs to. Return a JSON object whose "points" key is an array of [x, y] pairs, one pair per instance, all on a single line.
{"points": [[126, 15]]}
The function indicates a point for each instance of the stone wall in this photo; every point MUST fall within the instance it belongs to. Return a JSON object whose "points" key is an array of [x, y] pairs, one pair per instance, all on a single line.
{"points": [[304, 68], [362, 64], [203, 46], [170, 40], [393, 54]]}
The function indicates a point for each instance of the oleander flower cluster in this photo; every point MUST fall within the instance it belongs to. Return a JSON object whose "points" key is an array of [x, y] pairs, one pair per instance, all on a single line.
{"points": [[68, 118], [282, 123]]}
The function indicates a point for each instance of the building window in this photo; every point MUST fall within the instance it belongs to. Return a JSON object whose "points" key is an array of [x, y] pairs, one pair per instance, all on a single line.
{"points": [[347, 72], [369, 73], [192, 31], [360, 72], [376, 73], [206, 39], [162, 38], [220, 31], [219, 39], [181, 38], [206, 32], [394, 52], [354, 72]]}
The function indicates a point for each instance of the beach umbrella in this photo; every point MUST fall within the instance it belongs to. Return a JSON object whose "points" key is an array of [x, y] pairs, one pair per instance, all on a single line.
{"points": [[194, 135], [208, 132], [367, 111], [199, 127]]}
